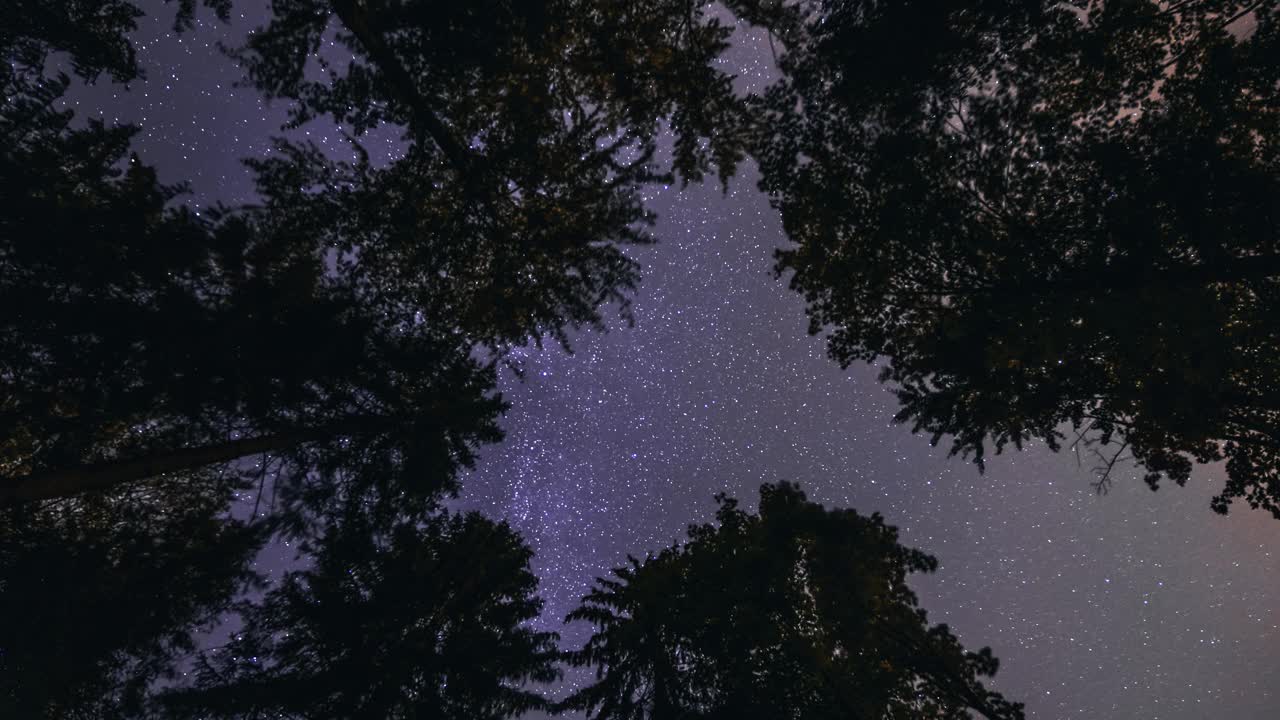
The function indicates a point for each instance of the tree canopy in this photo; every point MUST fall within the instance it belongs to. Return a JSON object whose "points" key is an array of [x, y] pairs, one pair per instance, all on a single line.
{"points": [[794, 612], [416, 619], [151, 340], [336, 321], [100, 600], [343, 330], [530, 129], [1044, 215], [1049, 221]]}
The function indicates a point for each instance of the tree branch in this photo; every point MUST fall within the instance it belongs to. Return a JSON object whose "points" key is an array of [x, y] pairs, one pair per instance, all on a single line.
{"points": [[356, 16], [1103, 470]]}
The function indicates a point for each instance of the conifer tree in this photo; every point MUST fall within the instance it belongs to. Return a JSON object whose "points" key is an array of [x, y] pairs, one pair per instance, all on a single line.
{"points": [[403, 620], [795, 612]]}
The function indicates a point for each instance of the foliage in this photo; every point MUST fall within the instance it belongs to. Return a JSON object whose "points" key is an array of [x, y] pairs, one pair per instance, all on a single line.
{"points": [[144, 329], [423, 619], [145, 345], [797, 612], [530, 129], [103, 596], [329, 330], [1038, 214], [335, 323]]}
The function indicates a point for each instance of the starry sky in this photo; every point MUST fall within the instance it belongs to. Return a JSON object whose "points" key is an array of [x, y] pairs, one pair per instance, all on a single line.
{"points": [[1130, 605]]}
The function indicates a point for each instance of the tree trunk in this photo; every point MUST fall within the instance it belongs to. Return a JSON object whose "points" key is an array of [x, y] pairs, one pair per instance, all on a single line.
{"points": [[67, 482]]}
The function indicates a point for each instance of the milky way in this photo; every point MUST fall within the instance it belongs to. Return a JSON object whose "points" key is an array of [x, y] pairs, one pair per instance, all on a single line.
{"points": [[1131, 605]]}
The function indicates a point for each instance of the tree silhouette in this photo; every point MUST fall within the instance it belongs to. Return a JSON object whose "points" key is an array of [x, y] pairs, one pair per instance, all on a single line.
{"points": [[332, 331], [424, 619], [148, 340], [144, 341], [151, 341], [335, 321], [797, 612], [1045, 214], [531, 128], [101, 597]]}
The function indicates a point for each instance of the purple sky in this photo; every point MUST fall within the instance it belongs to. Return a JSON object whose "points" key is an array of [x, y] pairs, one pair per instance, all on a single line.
{"points": [[1132, 605]]}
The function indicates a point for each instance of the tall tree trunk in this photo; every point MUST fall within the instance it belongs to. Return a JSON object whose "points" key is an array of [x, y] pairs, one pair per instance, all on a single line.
{"points": [[67, 482]]}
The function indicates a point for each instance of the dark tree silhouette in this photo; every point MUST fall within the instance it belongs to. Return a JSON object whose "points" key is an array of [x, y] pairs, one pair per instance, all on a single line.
{"points": [[141, 339], [330, 331], [148, 341], [425, 620], [1041, 215], [102, 597], [340, 314], [797, 612], [531, 128]]}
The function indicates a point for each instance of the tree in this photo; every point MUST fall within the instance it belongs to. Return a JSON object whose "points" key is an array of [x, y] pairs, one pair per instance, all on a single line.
{"points": [[1040, 215], [531, 129], [102, 597], [797, 612], [421, 619], [152, 341], [143, 346], [147, 340], [340, 316], [344, 330]]}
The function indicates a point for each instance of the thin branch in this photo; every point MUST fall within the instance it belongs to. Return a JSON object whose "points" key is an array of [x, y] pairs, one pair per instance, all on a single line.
{"points": [[262, 478], [1228, 23], [1075, 445], [1104, 468]]}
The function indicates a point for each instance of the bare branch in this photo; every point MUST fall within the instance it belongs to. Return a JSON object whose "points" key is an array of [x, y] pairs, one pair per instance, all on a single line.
{"points": [[1104, 468]]}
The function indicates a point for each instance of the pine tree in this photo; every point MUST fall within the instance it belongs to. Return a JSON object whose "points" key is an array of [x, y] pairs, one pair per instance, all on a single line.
{"points": [[401, 620], [102, 597], [797, 612]]}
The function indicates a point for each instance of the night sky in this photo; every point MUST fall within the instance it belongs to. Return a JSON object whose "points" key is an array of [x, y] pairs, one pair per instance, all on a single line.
{"points": [[1131, 605]]}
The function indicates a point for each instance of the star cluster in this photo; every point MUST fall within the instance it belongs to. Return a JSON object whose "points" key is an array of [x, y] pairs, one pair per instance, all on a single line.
{"points": [[1129, 605]]}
